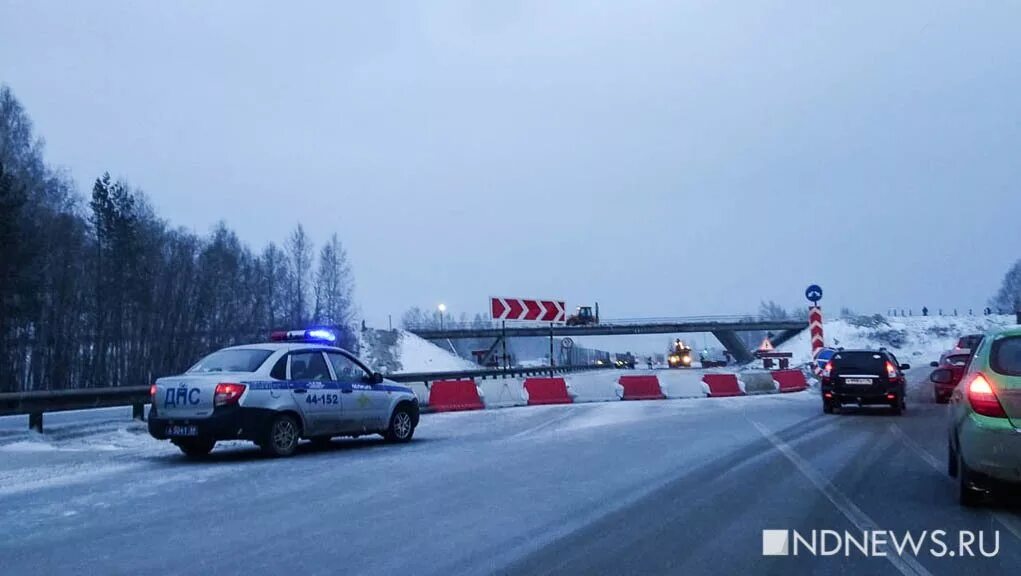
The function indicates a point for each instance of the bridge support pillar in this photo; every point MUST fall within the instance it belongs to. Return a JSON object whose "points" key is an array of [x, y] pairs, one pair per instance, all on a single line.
{"points": [[492, 350], [734, 345], [784, 337]]}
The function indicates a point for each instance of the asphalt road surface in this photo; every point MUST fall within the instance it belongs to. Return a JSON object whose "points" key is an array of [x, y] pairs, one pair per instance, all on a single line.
{"points": [[657, 487]]}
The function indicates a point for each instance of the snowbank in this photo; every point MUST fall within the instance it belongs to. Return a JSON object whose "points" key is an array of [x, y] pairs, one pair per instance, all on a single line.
{"points": [[913, 339], [418, 355]]}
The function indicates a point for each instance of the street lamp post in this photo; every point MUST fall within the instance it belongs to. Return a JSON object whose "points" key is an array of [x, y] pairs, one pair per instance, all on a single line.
{"points": [[442, 308]]}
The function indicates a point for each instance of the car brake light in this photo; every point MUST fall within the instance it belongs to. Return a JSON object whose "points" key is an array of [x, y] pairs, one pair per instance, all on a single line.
{"points": [[826, 371], [983, 399], [152, 391], [227, 393], [891, 370]]}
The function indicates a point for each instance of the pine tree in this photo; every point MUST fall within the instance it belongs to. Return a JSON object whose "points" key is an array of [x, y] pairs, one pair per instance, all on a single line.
{"points": [[334, 286], [299, 252]]}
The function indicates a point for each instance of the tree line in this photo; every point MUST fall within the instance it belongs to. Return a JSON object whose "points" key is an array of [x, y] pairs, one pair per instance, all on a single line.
{"points": [[101, 291]]}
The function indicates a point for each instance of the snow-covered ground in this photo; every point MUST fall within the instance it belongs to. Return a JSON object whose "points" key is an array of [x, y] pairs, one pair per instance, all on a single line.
{"points": [[913, 339], [418, 355], [399, 351], [480, 492], [94, 446]]}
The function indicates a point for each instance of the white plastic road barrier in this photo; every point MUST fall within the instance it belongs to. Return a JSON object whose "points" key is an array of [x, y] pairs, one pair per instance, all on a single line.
{"points": [[420, 390], [682, 383], [598, 386], [757, 382], [502, 392]]}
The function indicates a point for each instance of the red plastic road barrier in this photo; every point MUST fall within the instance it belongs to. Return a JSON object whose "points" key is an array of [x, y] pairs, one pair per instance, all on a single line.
{"points": [[790, 380], [453, 395], [641, 388], [721, 385], [547, 391]]}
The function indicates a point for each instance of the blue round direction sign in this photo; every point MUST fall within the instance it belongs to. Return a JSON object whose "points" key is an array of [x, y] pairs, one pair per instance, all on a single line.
{"points": [[813, 293]]}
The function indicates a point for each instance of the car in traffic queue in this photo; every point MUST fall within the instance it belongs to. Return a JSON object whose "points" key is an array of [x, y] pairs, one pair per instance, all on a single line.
{"points": [[956, 361], [967, 343], [298, 385], [984, 443], [865, 378]]}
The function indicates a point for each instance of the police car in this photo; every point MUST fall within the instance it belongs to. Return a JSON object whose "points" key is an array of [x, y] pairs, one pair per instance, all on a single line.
{"points": [[298, 386]]}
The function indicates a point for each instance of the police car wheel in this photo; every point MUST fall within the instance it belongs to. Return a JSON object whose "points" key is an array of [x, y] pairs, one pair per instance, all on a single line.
{"points": [[195, 447], [282, 436], [401, 426]]}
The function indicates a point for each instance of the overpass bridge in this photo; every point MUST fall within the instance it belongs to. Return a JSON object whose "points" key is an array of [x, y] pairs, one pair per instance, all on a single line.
{"points": [[724, 328]]}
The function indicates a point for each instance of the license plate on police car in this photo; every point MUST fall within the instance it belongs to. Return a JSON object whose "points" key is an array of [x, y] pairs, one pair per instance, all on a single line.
{"points": [[182, 430], [858, 381]]}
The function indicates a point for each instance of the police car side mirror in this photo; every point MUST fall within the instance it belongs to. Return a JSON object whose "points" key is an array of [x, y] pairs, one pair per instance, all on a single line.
{"points": [[376, 378]]}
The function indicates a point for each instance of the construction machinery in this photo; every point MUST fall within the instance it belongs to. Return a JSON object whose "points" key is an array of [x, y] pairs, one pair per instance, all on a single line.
{"points": [[679, 355], [584, 316]]}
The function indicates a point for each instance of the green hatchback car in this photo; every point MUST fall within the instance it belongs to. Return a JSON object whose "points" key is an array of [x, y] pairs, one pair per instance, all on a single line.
{"points": [[984, 445]]}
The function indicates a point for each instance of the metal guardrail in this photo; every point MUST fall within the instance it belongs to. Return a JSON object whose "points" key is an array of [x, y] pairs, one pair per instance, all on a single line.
{"points": [[36, 403], [481, 325]]}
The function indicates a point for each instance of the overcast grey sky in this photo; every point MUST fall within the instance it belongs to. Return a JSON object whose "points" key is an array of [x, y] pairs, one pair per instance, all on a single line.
{"points": [[663, 159]]}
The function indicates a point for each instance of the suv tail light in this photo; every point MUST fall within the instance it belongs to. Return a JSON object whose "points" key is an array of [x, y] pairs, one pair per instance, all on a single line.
{"points": [[982, 398], [891, 371], [227, 393], [827, 370], [152, 391]]}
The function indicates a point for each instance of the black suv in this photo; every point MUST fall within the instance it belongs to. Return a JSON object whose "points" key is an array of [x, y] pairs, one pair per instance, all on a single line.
{"points": [[863, 377]]}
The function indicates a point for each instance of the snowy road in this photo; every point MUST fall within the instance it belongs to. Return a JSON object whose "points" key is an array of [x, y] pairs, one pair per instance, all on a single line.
{"points": [[671, 487]]}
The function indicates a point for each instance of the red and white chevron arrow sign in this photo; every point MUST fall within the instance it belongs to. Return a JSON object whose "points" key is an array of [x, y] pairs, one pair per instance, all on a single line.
{"points": [[815, 328], [528, 309]]}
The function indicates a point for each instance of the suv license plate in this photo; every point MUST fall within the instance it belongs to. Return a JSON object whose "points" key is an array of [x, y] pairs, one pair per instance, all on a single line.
{"points": [[176, 430], [858, 381]]}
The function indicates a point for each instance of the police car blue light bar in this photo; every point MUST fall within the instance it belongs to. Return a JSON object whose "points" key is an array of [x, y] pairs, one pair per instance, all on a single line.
{"points": [[314, 335]]}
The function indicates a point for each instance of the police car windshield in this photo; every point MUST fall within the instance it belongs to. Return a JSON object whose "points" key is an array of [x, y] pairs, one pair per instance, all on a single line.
{"points": [[238, 360]]}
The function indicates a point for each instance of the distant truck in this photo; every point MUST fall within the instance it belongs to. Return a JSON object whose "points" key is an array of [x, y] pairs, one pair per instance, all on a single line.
{"points": [[626, 361]]}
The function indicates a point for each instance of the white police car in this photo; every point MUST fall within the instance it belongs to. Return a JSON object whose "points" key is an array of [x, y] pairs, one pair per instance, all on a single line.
{"points": [[298, 386]]}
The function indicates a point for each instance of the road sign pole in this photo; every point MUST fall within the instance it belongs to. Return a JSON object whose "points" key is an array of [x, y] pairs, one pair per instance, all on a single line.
{"points": [[506, 361], [815, 329], [814, 294], [551, 362]]}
